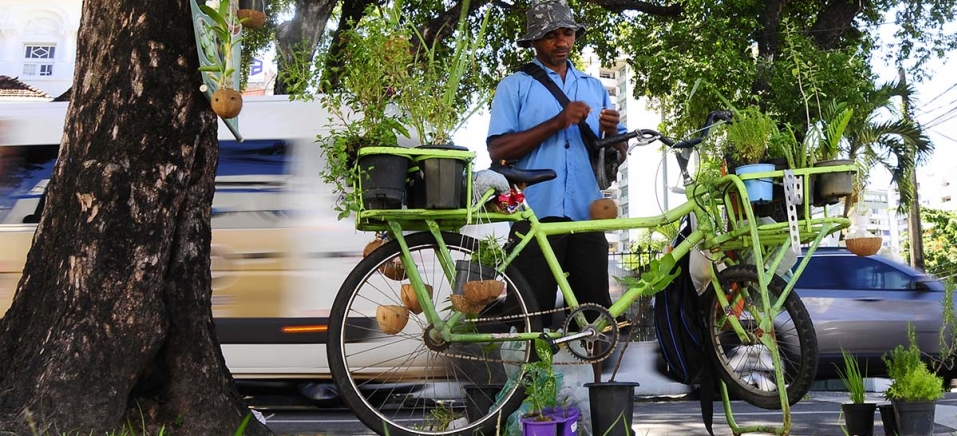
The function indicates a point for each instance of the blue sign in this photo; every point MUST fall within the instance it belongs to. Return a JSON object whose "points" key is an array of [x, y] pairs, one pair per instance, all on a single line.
{"points": [[255, 67]]}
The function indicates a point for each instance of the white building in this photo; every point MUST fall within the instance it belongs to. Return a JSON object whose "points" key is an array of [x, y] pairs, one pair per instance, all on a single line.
{"points": [[640, 190], [38, 42]]}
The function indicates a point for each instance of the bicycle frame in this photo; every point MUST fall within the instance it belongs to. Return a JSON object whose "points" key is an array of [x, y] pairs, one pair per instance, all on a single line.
{"points": [[726, 224]]}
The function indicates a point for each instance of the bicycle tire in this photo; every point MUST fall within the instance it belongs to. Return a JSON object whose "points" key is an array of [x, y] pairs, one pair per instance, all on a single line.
{"points": [[746, 369], [396, 383]]}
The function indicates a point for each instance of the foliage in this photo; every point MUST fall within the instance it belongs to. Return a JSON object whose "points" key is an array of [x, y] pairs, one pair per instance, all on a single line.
{"points": [[541, 385], [852, 377], [433, 94], [911, 380], [940, 242], [826, 135], [219, 54], [489, 253], [748, 136]]}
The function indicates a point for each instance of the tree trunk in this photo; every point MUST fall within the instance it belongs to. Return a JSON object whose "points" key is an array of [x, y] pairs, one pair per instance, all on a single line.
{"points": [[111, 322], [296, 40]]}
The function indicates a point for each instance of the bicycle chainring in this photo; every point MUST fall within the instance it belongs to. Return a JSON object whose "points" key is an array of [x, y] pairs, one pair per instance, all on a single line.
{"points": [[598, 345]]}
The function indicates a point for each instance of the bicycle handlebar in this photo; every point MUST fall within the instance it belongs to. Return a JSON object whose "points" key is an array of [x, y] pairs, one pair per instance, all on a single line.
{"points": [[648, 136]]}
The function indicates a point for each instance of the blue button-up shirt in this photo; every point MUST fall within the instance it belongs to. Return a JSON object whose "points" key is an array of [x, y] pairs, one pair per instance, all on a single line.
{"points": [[521, 103]]}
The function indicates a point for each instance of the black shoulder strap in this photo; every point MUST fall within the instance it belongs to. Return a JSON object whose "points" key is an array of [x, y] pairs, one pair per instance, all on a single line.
{"points": [[532, 69]]}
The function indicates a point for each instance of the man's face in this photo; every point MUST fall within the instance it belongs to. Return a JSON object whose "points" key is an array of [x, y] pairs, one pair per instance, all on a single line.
{"points": [[553, 48]]}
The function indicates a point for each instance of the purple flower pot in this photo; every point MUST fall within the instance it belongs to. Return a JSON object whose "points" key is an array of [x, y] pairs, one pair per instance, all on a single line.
{"points": [[532, 426], [567, 419]]}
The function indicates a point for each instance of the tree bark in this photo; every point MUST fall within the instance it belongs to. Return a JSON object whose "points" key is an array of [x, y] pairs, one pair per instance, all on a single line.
{"points": [[111, 322], [298, 38]]}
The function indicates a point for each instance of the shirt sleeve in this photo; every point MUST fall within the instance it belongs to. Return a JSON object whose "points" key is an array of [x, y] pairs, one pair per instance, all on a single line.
{"points": [[503, 118]]}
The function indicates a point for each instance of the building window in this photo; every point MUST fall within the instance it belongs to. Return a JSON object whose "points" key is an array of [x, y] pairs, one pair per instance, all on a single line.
{"points": [[945, 199], [605, 74], [38, 60]]}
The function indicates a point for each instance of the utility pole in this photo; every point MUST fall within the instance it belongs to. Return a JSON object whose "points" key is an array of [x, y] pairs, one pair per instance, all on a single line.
{"points": [[913, 218]]}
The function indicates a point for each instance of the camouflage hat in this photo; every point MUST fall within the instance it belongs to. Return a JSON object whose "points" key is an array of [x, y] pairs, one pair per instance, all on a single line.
{"points": [[546, 16]]}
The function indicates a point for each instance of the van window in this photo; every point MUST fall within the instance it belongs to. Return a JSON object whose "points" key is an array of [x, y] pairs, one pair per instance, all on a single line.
{"points": [[250, 179], [24, 174]]}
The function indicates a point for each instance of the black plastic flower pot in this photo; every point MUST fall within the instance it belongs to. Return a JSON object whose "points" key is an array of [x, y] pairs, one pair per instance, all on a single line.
{"points": [[612, 407], [888, 419], [466, 271], [830, 188], [479, 399], [383, 180], [915, 418], [859, 418], [440, 182]]}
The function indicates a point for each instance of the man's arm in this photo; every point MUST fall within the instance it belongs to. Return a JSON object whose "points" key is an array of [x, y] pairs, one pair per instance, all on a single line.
{"points": [[515, 145]]}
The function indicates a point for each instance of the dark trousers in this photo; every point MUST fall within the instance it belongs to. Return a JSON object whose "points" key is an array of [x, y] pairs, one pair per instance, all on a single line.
{"points": [[583, 256]]}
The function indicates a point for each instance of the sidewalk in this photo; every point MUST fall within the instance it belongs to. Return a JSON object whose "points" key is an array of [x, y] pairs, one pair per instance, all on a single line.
{"points": [[818, 414]]}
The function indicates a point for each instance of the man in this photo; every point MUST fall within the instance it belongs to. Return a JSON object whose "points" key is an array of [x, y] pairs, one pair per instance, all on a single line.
{"points": [[529, 125]]}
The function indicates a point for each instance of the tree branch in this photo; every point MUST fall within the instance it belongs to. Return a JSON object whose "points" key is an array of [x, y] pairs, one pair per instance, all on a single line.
{"points": [[834, 21], [672, 10]]}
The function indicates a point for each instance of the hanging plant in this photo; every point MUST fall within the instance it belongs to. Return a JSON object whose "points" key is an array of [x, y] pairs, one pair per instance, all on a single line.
{"points": [[221, 37], [252, 13]]}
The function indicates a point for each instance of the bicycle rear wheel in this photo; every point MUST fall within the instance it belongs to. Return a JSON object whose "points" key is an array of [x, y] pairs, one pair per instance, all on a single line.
{"points": [[747, 368], [405, 384]]}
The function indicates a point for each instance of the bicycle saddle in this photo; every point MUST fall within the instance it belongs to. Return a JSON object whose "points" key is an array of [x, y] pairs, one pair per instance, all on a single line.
{"points": [[528, 177]]}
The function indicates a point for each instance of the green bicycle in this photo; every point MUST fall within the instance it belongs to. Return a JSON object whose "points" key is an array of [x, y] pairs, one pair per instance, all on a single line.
{"points": [[410, 379]]}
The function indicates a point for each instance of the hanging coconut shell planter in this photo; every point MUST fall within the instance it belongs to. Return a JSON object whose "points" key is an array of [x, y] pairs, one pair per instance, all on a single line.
{"points": [[393, 270], [218, 41], [462, 304], [483, 291], [227, 102], [391, 318], [252, 13], [865, 245], [410, 300]]}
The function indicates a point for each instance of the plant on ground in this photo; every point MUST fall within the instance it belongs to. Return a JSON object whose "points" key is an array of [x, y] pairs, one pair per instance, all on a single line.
{"points": [[852, 377], [541, 385], [911, 380]]}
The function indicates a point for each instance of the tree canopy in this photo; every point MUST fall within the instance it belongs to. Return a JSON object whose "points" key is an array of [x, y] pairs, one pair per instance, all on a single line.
{"points": [[686, 53]]}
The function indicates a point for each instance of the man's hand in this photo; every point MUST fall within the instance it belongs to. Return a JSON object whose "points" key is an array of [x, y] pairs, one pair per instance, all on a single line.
{"points": [[608, 121], [572, 114]]}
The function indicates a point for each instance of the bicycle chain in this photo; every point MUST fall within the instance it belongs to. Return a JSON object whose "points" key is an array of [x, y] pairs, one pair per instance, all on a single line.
{"points": [[517, 362]]}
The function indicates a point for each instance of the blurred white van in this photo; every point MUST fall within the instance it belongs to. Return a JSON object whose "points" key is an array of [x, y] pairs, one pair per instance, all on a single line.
{"points": [[279, 254]]}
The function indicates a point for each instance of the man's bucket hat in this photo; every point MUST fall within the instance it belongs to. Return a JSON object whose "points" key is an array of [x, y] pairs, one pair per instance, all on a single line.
{"points": [[545, 16]]}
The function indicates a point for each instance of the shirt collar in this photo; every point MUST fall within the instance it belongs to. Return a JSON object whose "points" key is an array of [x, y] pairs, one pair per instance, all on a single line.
{"points": [[571, 68]]}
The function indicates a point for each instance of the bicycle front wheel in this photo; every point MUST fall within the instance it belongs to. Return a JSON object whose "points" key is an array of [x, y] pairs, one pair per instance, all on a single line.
{"points": [[747, 369], [406, 383]]}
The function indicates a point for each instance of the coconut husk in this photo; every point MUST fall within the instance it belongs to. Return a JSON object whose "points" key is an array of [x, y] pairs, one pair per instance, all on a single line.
{"points": [[392, 319], [256, 19], [866, 246], [483, 291], [226, 102], [410, 300], [370, 247], [603, 209], [393, 270], [462, 304]]}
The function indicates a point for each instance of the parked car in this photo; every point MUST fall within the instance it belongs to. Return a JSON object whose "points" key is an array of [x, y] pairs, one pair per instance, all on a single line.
{"points": [[865, 305]]}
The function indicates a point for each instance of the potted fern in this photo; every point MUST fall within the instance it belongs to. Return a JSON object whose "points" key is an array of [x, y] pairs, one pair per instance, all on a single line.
{"points": [[825, 139], [914, 390], [747, 140], [858, 414]]}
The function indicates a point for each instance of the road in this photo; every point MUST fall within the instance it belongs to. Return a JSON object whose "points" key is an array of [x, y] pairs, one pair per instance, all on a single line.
{"points": [[818, 414]]}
